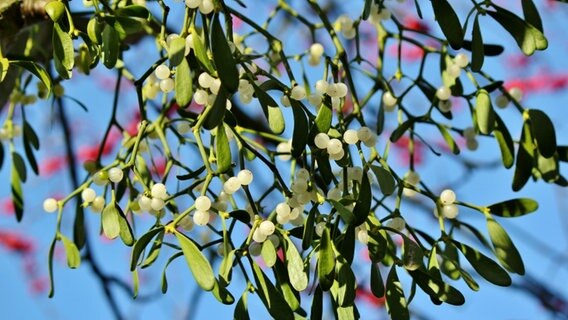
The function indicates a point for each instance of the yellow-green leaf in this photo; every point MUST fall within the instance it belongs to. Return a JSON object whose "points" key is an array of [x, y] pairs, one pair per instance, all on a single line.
{"points": [[183, 84], [268, 253], [201, 52], [223, 57], [484, 112], [63, 55], [513, 208], [295, 266], [73, 256], [397, 306], [176, 51], [271, 111], [506, 145], [543, 132], [326, 260], [223, 150], [110, 223], [141, 244], [110, 46], [55, 9], [505, 249], [197, 263]]}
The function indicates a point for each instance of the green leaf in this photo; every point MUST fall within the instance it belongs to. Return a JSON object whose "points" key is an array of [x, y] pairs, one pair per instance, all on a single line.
{"points": [[366, 9], [326, 260], [271, 298], [525, 154], [513, 208], [484, 112], [282, 283], [126, 234], [135, 284], [295, 266], [226, 268], [50, 268], [477, 48], [110, 47], [343, 288], [268, 253], [363, 205], [345, 213], [109, 219], [141, 244], [241, 310], [125, 25], [17, 195], [136, 11], [217, 113], [223, 150], [448, 138], [505, 142], [505, 249], [30, 156], [301, 129], [183, 84], [55, 9], [385, 179], [401, 129], [323, 118], [221, 293], [449, 22], [397, 306], [240, 215], [437, 289], [317, 304], [377, 285], [309, 228], [164, 278], [4, 65], [201, 52], [63, 55], [271, 111], [20, 166], [197, 263], [223, 57], [30, 135], [531, 14], [528, 38], [486, 267], [543, 132], [73, 255], [79, 235], [37, 70], [1, 155], [176, 51], [413, 255]]}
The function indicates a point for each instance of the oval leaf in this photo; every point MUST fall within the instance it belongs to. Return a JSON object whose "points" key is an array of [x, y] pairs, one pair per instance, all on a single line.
{"points": [[63, 55], [505, 249], [513, 208], [141, 244], [397, 306], [110, 47], [385, 179], [295, 267], [543, 132], [223, 150], [326, 260], [197, 263], [223, 57], [449, 22], [109, 220], [486, 267], [73, 256], [484, 112], [477, 48]]}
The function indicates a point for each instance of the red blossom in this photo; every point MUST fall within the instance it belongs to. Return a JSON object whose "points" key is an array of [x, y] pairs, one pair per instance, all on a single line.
{"points": [[367, 296], [16, 242], [52, 165]]}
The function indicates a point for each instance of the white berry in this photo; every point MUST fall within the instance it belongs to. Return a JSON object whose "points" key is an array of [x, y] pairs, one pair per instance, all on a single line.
{"points": [[350, 136], [157, 204], [88, 195], [516, 93], [334, 146], [321, 140], [205, 80], [316, 49], [259, 236], [167, 85], [321, 86], [450, 211], [206, 7], [115, 175], [319, 228], [159, 191], [98, 204], [283, 209], [267, 227], [389, 101], [397, 223], [364, 133], [162, 72], [447, 196], [50, 205], [202, 203], [298, 93], [443, 93], [461, 60], [245, 177], [231, 185], [363, 235], [201, 218]]}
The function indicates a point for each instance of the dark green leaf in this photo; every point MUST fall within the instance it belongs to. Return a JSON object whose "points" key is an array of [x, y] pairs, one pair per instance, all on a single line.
{"points": [[400, 130], [240, 215], [525, 154], [301, 129], [197, 263], [30, 135], [50, 268], [505, 141], [363, 205], [396, 302], [477, 48], [449, 22], [437, 289], [73, 255], [221, 293], [486, 267], [493, 86], [345, 213], [489, 50], [513, 208], [272, 299], [385, 179], [223, 150], [543, 132], [183, 84], [126, 234], [109, 220], [137, 11], [309, 228], [176, 51], [448, 138], [377, 285], [17, 195], [413, 255], [223, 57], [295, 266], [317, 305], [30, 156], [1, 155], [79, 235], [271, 111], [37, 70], [528, 38], [63, 55], [141, 244], [531, 14], [366, 9], [505, 250], [217, 112], [326, 260], [241, 310], [20, 166], [164, 278], [191, 175], [110, 47]]}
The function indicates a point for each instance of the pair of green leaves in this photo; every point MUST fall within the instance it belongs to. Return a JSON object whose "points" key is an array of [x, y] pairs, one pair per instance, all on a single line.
{"points": [[114, 224]]}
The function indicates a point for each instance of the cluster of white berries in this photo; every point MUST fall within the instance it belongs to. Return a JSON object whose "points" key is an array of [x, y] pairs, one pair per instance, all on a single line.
{"points": [[14, 132], [447, 201], [91, 198], [470, 138], [412, 178], [233, 184], [163, 74], [201, 215], [316, 52], [459, 62], [205, 6], [502, 101], [207, 94], [334, 146], [345, 24], [264, 230], [156, 201], [246, 91], [102, 177]]}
